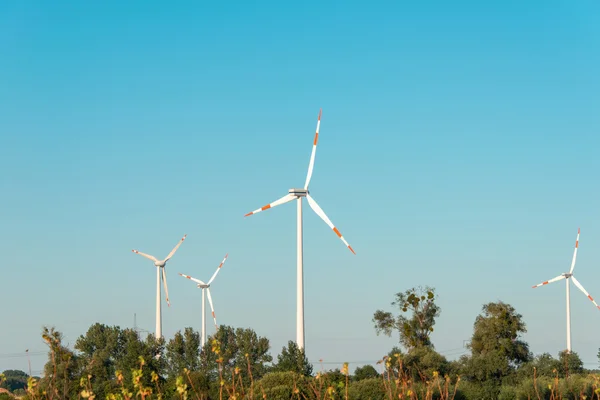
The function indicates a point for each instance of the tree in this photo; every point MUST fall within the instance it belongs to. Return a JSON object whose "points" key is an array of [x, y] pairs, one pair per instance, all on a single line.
{"points": [[293, 359], [496, 350], [416, 330], [422, 362], [132, 348], [569, 363], [365, 372], [231, 348], [497, 331], [14, 380], [61, 371], [99, 350], [183, 351]]}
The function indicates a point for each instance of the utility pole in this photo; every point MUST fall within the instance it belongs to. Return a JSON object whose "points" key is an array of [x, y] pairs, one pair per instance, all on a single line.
{"points": [[28, 361]]}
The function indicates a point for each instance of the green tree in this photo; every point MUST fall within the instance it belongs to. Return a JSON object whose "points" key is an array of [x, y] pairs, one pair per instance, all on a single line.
{"points": [[99, 350], [280, 385], [238, 348], [415, 330], [569, 363], [497, 331], [496, 349], [183, 351], [365, 372], [421, 362], [14, 380], [61, 371], [545, 365], [292, 358], [151, 350]]}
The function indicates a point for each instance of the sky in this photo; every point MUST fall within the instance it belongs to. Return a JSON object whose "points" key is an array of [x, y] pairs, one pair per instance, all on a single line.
{"points": [[457, 149]]}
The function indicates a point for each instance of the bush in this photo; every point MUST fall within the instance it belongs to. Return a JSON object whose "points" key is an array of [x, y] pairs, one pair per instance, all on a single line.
{"points": [[280, 386], [367, 389]]}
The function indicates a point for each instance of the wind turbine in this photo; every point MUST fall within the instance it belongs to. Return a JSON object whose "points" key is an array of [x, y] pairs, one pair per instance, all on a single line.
{"points": [[206, 286], [567, 276], [298, 194], [160, 265]]}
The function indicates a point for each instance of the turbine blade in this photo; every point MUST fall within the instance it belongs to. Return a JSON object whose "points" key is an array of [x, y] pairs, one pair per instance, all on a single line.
{"points": [[312, 155], [283, 200], [192, 279], [212, 309], [576, 282], [558, 278], [313, 204], [218, 269], [175, 248], [164, 275], [575, 252], [148, 256]]}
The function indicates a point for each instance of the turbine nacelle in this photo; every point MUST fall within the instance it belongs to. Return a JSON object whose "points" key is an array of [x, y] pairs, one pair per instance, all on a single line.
{"points": [[298, 192]]}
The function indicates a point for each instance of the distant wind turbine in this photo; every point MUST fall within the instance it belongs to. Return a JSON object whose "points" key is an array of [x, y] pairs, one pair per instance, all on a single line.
{"points": [[567, 276], [160, 265], [206, 286], [298, 194]]}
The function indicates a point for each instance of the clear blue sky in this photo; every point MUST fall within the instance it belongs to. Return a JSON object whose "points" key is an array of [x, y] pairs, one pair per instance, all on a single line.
{"points": [[458, 149]]}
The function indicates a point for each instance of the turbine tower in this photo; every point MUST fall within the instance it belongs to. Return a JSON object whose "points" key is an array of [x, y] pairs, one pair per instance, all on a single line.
{"points": [[206, 286], [569, 276], [298, 194], [160, 267]]}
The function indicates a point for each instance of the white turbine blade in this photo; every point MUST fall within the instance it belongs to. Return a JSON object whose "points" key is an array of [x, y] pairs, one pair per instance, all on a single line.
{"points": [[312, 155], [212, 309], [218, 269], [192, 279], [558, 278], [175, 248], [313, 204], [164, 274], [148, 256], [575, 252], [283, 200], [576, 282]]}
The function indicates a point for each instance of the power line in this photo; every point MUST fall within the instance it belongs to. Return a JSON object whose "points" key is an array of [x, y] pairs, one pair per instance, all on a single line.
{"points": [[23, 354]]}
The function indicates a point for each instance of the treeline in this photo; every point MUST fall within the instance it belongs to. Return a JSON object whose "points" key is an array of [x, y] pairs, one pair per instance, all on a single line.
{"points": [[113, 363]]}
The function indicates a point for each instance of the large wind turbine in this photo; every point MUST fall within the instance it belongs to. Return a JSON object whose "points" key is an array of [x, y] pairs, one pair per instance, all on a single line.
{"points": [[160, 265], [206, 286], [567, 276], [298, 194]]}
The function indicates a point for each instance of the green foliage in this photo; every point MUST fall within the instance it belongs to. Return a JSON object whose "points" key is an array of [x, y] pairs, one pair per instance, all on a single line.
{"points": [[367, 389], [116, 364], [415, 330], [497, 331], [13, 380], [496, 350], [183, 352], [365, 372], [238, 348], [424, 361], [292, 358], [569, 363], [282, 385], [62, 370]]}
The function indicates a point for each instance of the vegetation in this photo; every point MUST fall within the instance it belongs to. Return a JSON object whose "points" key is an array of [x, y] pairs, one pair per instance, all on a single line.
{"points": [[117, 364]]}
